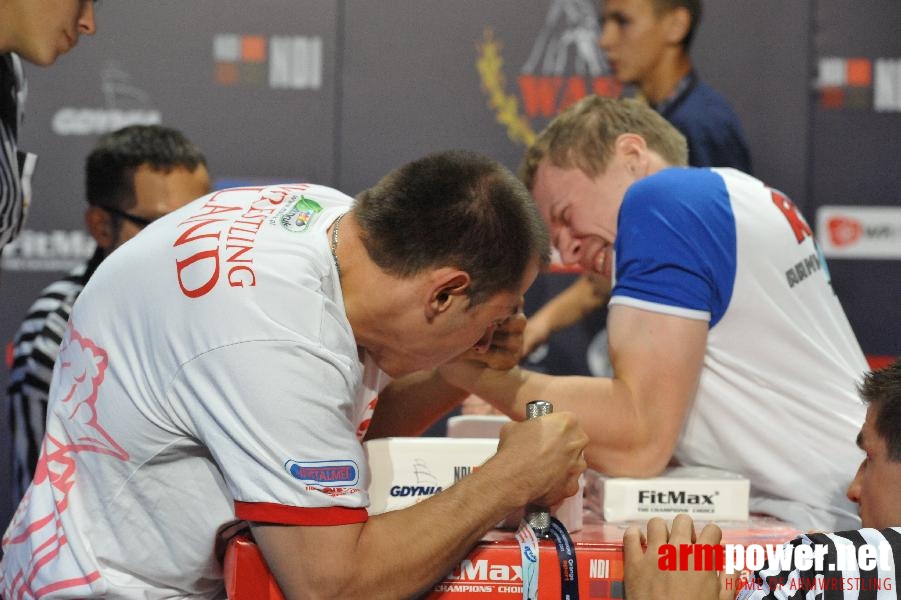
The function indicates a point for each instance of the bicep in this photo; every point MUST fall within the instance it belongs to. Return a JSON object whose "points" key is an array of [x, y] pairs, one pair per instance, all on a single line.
{"points": [[304, 558]]}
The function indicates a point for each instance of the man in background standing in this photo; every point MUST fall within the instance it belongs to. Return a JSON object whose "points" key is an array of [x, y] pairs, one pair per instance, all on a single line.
{"points": [[647, 44]]}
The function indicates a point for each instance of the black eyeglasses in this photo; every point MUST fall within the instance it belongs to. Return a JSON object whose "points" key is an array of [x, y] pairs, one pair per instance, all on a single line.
{"points": [[135, 219]]}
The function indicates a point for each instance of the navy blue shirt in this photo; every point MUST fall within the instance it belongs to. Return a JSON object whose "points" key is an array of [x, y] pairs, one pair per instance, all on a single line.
{"points": [[714, 133]]}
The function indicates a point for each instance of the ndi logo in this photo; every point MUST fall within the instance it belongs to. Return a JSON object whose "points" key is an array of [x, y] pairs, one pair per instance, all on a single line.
{"points": [[281, 61], [331, 473], [862, 83]]}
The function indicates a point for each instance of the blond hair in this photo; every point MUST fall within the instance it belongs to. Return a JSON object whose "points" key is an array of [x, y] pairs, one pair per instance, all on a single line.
{"points": [[584, 135]]}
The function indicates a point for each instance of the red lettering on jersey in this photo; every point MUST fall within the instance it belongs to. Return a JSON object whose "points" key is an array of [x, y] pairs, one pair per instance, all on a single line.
{"points": [[799, 227], [363, 427], [276, 194], [185, 237], [204, 255], [240, 276], [213, 209]]}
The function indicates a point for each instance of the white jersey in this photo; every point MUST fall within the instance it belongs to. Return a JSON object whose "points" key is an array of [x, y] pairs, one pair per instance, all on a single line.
{"points": [[777, 399], [208, 374]]}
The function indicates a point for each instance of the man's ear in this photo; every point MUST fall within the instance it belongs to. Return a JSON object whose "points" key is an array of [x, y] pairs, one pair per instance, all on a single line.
{"points": [[677, 22], [99, 224], [447, 286], [634, 149]]}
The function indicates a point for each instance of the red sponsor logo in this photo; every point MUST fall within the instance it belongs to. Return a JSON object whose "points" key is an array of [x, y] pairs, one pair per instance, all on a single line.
{"points": [[844, 231], [363, 427]]}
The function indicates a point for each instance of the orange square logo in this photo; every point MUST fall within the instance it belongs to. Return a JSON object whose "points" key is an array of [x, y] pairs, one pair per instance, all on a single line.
{"points": [[253, 48], [860, 72]]}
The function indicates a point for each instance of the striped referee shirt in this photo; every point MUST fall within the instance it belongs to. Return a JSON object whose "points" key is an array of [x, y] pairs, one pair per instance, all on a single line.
{"points": [[830, 583], [15, 166], [36, 347]]}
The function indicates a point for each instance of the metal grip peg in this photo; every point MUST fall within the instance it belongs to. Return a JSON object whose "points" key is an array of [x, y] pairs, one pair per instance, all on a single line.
{"points": [[538, 518]]}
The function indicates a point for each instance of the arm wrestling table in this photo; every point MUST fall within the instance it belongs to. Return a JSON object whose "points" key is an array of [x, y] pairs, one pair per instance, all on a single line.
{"points": [[492, 568]]}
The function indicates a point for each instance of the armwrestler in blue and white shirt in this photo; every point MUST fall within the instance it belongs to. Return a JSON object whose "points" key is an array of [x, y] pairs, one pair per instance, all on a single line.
{"points": [[728, 345], [855, 565]]}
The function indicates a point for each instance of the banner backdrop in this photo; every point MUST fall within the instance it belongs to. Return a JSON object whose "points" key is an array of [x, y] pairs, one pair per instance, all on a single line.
{"points": [[339, 92], [854, 162]]}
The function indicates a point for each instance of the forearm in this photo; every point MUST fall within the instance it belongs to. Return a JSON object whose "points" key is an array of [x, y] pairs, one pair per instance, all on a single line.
{"points": [[393, 555], [409, 405], [568, 307], [426, 551], [398, 554], [625, 439]]}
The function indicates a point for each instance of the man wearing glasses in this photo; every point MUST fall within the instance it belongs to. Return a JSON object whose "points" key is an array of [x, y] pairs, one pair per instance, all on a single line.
{"points": [[133, 176]]}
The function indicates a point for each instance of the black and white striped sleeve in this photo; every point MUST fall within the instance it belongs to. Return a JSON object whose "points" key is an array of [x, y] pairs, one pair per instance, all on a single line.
{"points": [[840, 577], [35, 350], [15, 166]]}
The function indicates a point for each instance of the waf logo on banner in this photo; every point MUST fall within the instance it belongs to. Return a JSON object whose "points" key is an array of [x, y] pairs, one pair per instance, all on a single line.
{"points": [[278, 61], [868, 232], [564, 65]]}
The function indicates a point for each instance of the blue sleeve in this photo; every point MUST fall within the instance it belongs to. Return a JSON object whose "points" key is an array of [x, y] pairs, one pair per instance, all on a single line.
{"points": [[675, 245]]}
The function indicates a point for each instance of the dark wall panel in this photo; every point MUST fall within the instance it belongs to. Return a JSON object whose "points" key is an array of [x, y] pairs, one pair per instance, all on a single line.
{"points": [[855, 157]]}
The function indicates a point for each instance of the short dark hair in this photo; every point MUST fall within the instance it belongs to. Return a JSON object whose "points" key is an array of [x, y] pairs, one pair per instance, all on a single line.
{"points": [[882, 389], [111, 165], [694, 10], [454, 208]]}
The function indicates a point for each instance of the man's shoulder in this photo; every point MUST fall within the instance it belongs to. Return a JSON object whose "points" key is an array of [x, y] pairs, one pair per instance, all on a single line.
{"points": [[704, 95], [676, 184], [703, 108]]}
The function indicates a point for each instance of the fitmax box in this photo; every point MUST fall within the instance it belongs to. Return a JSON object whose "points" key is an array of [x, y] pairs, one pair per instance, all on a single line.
{"points": [[704, 493]]}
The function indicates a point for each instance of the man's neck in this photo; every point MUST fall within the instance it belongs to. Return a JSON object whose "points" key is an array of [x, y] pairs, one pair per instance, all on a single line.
{"points": [[662, 81], [369, 294]]}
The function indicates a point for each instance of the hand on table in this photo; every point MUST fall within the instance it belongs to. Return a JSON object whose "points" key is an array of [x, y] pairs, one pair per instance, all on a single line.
{"points": [[644, 580]]}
